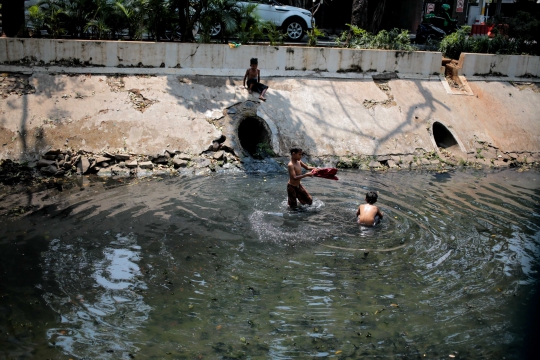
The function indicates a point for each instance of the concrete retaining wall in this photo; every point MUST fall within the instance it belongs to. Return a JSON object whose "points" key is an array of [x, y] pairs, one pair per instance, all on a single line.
{"points": [[217, 59], [512, 66]]}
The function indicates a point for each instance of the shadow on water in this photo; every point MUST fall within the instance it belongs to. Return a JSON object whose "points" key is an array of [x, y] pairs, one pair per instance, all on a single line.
{"points": [[219, 267]]}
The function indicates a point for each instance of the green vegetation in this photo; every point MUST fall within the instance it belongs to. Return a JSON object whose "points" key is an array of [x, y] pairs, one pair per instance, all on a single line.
{"points": [[155, 19], [313, 34], [264, 150], [275, 36], [394, 39], [520, 37]]}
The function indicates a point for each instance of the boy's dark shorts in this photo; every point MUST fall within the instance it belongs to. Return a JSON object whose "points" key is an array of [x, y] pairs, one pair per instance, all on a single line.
{"points": [[257, 86], [300, 193]]}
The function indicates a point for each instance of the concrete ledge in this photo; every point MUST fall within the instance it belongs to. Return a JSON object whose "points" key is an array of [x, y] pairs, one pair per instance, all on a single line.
{"points": [[200, 72], [216, 59], [515, 67]]}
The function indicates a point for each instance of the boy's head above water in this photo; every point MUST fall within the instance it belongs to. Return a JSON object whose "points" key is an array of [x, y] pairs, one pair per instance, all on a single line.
{"points": [[371, 197]]}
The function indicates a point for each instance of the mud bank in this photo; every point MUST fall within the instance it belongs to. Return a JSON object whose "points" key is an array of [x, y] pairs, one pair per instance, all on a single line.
{"points": [[119, 126]]}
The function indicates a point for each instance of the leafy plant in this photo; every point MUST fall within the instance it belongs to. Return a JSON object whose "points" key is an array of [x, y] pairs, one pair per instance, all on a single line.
{"points": [[55, 16], [358, 38], [454, 44], [275, 35], [264, 149], [37, 18], [394, 39], [249, 24], [132, 13], [313, 34]]}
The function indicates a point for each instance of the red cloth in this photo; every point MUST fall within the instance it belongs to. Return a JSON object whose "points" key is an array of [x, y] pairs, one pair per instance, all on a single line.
{"points": [[327, 173]]}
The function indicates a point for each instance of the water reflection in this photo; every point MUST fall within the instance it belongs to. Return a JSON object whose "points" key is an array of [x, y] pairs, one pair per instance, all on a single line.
{"points": [[218, 267], [102, 300]]}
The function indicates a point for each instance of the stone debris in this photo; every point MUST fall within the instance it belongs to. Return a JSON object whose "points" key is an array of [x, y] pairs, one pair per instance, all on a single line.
{"points": [[122, 157], [102, 159], [15, 84], [139, 102], [83, 166], [385, 87], [44, 163], [116, 83], [179, 163], [218, 155], [182, 156], [66, 163], [146, 165]]}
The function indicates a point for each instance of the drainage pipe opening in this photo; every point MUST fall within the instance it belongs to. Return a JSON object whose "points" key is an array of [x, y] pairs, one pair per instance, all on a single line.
{"points": [[443, 137], [255, 138]]}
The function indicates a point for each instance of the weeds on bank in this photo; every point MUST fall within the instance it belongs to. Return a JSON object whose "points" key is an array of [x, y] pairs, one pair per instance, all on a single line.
{"points": [[275, 36], [313, 34], [460, 41], [357, 38], [264, 150]]}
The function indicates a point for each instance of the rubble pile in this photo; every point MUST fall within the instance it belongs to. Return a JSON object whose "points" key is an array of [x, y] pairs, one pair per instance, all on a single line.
{"points": [[17, 84], [139, 102]]}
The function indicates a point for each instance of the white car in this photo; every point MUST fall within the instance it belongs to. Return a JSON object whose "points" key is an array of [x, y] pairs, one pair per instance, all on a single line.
{"points": [[295, 21]]}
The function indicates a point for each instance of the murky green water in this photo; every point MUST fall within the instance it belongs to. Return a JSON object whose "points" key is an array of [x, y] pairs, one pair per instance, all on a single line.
{"points": [[218, 268]]}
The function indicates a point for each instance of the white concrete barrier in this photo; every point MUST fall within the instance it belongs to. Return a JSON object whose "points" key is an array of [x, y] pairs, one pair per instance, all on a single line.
{"points": [[217, 59], [511, 66]]}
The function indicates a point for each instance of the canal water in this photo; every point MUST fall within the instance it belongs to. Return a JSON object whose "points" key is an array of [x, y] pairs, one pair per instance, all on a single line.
{"points": [[217, 267]]}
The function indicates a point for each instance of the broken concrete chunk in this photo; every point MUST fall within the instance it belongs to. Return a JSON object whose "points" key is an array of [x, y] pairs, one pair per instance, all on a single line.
{"points": [[101, 159], [179, 163], [202, 162], [49, 170], [161, 159], [53, 152], [374, 164], [182, 156], [82, 166], [132, 164], [146, 165], [392, 164], [118, 171], [218, 155], [43, 163], [407, 159], [122, 157]]}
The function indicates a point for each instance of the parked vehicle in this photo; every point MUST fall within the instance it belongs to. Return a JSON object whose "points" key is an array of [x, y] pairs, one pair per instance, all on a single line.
{"points": [[295, 21], [428, 32], [434, 28]]}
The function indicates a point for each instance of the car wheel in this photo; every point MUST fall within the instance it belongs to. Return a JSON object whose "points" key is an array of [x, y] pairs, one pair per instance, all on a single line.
{"points": [[215, 30], [295, 29]]}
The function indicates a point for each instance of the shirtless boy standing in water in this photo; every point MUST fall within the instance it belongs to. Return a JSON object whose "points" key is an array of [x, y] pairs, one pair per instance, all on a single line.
{"points": [[368, 214], [295, 190]]}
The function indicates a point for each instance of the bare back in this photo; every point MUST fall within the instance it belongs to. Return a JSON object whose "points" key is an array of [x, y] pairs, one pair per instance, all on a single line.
{"points": [[367, 214]]}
